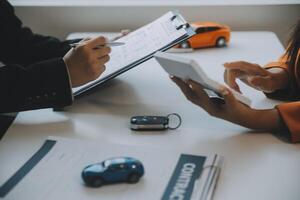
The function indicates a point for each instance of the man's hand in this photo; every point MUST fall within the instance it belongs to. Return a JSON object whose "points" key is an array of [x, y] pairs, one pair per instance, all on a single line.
{"points": [[255, 76], [86, 62], [232, 110]]}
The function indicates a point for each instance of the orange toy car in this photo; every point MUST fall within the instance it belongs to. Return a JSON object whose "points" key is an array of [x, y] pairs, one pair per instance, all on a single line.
{"points": [[208, 34]]}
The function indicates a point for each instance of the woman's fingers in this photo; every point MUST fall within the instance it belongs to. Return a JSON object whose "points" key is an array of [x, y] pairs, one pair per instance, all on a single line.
{"points": [[186, 90], [251, 74], [249, 68], [202, 98], [197, 88], [196, 94], [261, 83], [228, 96], [230, 77]]}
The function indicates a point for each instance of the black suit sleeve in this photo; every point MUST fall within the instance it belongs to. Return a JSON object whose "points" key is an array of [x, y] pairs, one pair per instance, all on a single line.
{"points": [[34, 75], [19, 45], [41, 85]]}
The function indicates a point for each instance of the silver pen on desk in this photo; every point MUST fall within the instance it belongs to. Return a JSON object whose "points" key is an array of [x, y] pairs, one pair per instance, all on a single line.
{"points": [[108, 44]]}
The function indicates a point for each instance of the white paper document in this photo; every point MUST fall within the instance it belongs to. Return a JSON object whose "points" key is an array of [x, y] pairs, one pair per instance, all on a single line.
{"points": [[57, 175]]}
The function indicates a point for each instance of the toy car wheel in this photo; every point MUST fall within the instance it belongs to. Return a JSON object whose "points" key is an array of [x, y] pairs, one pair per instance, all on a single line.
{"points": [[133, 178], [221, 42], [185, 45], [98, 182]]}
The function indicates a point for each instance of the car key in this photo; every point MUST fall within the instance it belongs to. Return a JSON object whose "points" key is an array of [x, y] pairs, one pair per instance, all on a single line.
{"points": [[143, 123]]}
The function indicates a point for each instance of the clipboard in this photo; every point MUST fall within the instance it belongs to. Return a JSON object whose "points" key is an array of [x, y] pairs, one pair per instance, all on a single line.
{"points": [[176, 20]]}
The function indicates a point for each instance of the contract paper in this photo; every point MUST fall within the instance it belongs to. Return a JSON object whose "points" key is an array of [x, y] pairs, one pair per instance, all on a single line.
{"points": [[168, 174]]}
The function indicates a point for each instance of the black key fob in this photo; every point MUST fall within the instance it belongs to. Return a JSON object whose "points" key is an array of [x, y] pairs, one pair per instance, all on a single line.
{"points": [[144, 123]]}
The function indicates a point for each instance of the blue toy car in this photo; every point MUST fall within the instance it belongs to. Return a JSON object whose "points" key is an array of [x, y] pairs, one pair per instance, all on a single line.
{"points": [[114, 170]]}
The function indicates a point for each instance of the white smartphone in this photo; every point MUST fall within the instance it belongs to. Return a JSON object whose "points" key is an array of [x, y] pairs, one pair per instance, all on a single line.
{"points": [[186, 69]]}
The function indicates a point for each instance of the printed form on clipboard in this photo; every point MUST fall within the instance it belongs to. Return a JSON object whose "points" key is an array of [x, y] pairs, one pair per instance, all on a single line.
{"points": [[140, 45]]}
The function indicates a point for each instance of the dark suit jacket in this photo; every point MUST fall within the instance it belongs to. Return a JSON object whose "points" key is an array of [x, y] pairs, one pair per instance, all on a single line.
{"points": [[34, 75]]}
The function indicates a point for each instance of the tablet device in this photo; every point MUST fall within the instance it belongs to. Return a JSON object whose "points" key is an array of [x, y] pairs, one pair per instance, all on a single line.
{"points": [[186, 69]]}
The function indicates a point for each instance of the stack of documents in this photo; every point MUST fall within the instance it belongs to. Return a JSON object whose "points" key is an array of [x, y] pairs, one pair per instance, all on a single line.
{"points": [[54, 172]]}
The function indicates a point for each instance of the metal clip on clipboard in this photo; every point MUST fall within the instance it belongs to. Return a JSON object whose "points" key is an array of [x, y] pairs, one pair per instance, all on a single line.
{"points": [[178, 22]]}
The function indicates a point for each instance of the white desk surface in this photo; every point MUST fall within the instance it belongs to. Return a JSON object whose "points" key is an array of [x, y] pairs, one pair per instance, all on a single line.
{"points": [[257, 165]]}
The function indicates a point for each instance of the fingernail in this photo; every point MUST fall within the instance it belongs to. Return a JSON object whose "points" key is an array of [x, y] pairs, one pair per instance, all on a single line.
{"points": [[225, 92]]}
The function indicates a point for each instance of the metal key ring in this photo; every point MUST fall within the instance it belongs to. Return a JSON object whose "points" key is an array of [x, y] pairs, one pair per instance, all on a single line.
{"points": [[179, 118]]}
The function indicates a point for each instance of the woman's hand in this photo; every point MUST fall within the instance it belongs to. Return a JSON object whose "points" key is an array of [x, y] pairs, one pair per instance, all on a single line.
{"points": [[232, 110], [255, 76], [86, 62]]}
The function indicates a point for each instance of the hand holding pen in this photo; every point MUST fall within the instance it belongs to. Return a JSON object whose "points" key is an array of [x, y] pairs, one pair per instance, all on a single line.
{"points": [[86, 60], [109, 43]]}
